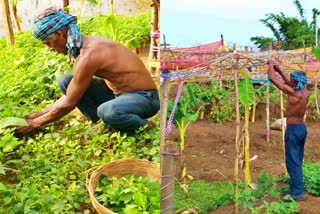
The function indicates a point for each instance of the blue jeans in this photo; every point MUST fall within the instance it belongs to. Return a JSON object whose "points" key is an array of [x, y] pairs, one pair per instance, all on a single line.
{"points": [[295, 139], [123, 112]]}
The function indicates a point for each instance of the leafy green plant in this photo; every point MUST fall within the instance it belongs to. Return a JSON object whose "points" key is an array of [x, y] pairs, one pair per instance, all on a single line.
{"points": [[276, 208], [221, 110], [184, 115], [212, 195], [130, 194], [246, 93]]}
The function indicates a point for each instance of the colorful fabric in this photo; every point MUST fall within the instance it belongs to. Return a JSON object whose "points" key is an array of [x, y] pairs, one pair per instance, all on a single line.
{"points": [[55, 21], [301, 78]]}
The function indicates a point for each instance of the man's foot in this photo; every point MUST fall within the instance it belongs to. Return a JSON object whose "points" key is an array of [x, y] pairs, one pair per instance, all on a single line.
{"points": [[301, 197]]}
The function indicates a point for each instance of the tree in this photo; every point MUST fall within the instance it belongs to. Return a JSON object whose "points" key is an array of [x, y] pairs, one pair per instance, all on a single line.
{"points": [[292, 32]]}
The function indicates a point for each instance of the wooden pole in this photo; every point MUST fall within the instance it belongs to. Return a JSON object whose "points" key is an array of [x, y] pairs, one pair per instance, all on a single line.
{"points": [[154, 43], [66, 5], [111, 7], [316, 97], [237, 146], [7, 22], [15, 14], [268, 102], [170, 153]]}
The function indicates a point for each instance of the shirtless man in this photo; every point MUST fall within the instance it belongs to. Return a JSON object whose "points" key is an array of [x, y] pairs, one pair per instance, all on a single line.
{"points": [[296, 132], [109, 81]]}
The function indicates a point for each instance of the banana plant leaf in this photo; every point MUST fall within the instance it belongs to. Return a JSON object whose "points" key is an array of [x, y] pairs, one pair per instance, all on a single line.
{"points": [[246, 91]]}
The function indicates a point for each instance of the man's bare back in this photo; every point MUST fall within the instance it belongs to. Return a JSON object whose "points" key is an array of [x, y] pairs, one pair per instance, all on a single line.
{"points": [[296, 107], [112, 70]]}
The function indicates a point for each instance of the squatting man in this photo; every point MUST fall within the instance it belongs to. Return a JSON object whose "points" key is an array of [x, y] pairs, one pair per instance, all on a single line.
{"points": [[109, 81]]}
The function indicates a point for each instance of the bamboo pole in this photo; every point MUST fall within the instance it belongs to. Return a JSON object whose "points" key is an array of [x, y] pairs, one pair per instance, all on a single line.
{"points": [[268, 102], [154, 43], [65, 4], [170, 151], [7, 22], [15, 14], [316, 97], [237, 146]]}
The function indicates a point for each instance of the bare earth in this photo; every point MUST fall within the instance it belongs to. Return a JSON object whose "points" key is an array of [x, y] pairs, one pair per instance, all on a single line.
{"points": [[210, 154]]}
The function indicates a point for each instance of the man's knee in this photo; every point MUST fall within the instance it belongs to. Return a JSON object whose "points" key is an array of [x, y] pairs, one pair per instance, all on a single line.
{"points": [[107, 113], [64, 82]]}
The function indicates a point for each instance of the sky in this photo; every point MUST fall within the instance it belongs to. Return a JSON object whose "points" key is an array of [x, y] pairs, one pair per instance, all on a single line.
{"points": [[192, 22]]}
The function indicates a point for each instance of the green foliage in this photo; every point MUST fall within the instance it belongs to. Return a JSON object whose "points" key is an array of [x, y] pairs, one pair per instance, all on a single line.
{"points": [[262, 42], [246, 91], [311, 175], [52, 166], [276, 208], [132, 31], [202, 196], [266, 186], [291, 31], [222, 100], [48, 170], [316, 52], [130, 194]]}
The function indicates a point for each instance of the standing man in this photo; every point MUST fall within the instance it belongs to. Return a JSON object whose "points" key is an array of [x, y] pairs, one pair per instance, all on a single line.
{"points": [[109, 81], [296, 131]]}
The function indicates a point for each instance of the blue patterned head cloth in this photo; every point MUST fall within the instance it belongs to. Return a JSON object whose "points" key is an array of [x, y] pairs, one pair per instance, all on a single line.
{"points": [[53, 19], [300, 77]]}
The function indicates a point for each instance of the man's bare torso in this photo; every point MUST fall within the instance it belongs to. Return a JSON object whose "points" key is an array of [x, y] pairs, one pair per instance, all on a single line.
{"points": [[121, 69]]}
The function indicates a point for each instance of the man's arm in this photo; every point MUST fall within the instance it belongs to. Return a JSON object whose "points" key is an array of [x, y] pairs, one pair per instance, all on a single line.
{"points": [[84, 70], [272, 77], [283, 76]]}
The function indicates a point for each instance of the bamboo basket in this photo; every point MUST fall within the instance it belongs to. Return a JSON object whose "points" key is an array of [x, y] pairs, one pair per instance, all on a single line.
{"points": [[120, 168]]}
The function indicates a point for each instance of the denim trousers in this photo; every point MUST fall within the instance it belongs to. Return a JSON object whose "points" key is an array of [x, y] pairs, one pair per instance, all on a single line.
{"points": [[295, 139], [123, 112]]}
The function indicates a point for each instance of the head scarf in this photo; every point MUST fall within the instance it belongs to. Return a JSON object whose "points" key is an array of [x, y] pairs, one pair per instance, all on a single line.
{"points": [[300, 77], [51, 21]]}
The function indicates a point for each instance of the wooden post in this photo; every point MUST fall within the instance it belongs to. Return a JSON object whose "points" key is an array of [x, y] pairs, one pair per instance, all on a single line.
{"points": [[154, 43], [268, 103], [66, 5], [111, 7], [170, 153], [7, 22], [316, 97], [237, 143], [164, 97]]}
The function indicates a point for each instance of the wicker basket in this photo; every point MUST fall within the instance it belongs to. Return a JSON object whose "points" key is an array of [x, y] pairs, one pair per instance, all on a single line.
{"points": [[120, 168]]}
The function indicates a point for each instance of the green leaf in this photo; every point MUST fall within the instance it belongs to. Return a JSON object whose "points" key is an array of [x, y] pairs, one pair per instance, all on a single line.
{"points": [[2, 169], [131, 209], [140, 199], [246, 91], [12, 121], [316, 52], [2, 187]]}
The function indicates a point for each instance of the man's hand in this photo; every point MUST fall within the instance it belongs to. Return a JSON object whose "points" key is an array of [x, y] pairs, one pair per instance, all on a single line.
{"points": [[270, 62], [24, 130]]}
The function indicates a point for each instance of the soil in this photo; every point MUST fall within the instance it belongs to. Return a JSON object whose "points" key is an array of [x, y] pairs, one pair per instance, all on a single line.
{"points": [[210, 154]]}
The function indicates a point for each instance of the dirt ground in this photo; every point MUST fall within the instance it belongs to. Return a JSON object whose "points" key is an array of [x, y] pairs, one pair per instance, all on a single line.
{"points": [[210, 154]]}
